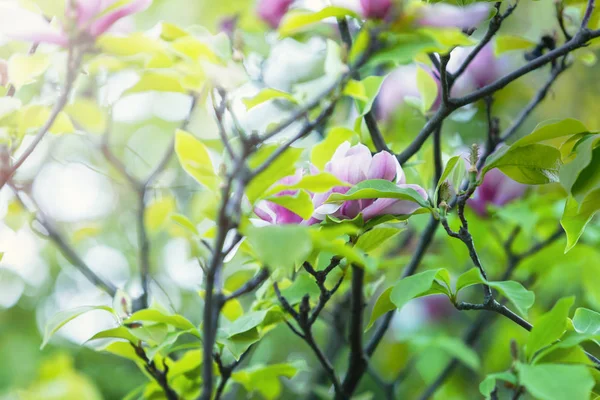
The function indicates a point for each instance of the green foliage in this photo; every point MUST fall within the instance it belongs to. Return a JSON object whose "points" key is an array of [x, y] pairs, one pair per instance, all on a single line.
{"points": [[62, 318], [556, 382], [550, 327]]}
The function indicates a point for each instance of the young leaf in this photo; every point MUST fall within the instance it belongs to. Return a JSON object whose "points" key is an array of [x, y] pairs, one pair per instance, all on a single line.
{"points": [[300, 203], [318, 183], [23, 69], [266, 95], [158, 212], [505, 43], [322, 152], [374, 238], [115, 333], [516, 293], [586, 321], [152, 315], [469, 278], [415, 286], [280, 246], [550, 326], [194, 159], [62, 318], [379, 188], [534, 164], [382, 306], [487, 386], [556, 382], [576, 217], [296, 20], [428, 89]]}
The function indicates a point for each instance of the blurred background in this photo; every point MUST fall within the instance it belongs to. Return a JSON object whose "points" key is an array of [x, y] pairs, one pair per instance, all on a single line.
{"points": [[73, 185]]}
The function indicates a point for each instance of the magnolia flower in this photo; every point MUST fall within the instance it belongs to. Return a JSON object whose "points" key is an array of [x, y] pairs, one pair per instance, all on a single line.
{"points": [[399, 85], [274, 213], [86, 19], [449, 16], [496, 189], [354, 164], [272, 11], [484, 69]]}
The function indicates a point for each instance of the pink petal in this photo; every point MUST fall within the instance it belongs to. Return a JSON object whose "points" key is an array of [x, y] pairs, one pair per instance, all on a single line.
{"points": [[448, 16], [85, 11], [104, 22], [272, 11], [383, 166], [377, 9], [394, 206], [20, 24]]}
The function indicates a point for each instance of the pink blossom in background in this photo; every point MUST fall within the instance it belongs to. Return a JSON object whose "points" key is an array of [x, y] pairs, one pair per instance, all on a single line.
{"points": [[449, 16], [483, 70], [376, 9], [3, 72], [354, 164], [396, 88], [89, 18], [496, 189], [276, 214], [272, 11]]}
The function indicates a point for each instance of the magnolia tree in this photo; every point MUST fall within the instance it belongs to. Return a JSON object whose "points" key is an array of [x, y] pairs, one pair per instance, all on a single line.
{"points": [[324, 165]]}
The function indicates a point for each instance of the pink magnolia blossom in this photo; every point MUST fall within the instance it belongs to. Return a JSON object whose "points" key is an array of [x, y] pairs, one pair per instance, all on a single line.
{"points": [[449, 16], [496, 189], [3, 72], [484, 69], [85, 19], [272, 11], [354, 164], [376, 9], [399, 85], [276, 214]]}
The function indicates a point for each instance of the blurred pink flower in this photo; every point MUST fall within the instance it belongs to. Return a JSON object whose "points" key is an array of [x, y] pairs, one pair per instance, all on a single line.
{"points": [[354, 164], [496, 189], [272, 11], [376, 9], [3, 72], [399, 85], [276, 214], [484, 69], [449, 16], [85, 19]]}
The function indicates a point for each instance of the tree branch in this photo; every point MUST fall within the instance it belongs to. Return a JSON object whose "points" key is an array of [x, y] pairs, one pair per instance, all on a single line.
{"points": [[159, 376]]}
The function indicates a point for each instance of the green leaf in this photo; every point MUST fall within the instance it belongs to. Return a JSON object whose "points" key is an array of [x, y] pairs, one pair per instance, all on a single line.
{"points": [[414, 286], [532, 164], [185, 222], [550, 326], [301, 286], [323, 151], [190, 361], [245, 323], [382, 306], [124, 350], [376, 189], [62, 318], [297, 20], [266, 95], [487, 386], [281, 167], [588, 179], [87, 114], [157, 81], [266, 379], [586, 321], [576, 217], [152, 315], [454, 167], [556, 382], [428, 89], [280, 246], [194, 159], [555, 133], [469, 278], [23, 69], [158, 212], [578, 174], [115, 333], [374, 238], [505, 43], [520, 297], [319, 183], [130, 45], [300, 203], [153, 334]]}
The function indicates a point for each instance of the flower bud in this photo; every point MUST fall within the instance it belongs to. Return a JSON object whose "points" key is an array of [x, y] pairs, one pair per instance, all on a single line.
{"points": [[272, 11]]}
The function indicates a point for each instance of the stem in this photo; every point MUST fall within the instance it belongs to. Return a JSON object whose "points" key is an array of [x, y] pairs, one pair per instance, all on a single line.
{"points": [[73, 63], [358, 360]]}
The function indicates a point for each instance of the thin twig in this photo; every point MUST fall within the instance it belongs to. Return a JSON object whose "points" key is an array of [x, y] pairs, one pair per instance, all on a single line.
{"points": [[159, 376]]}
